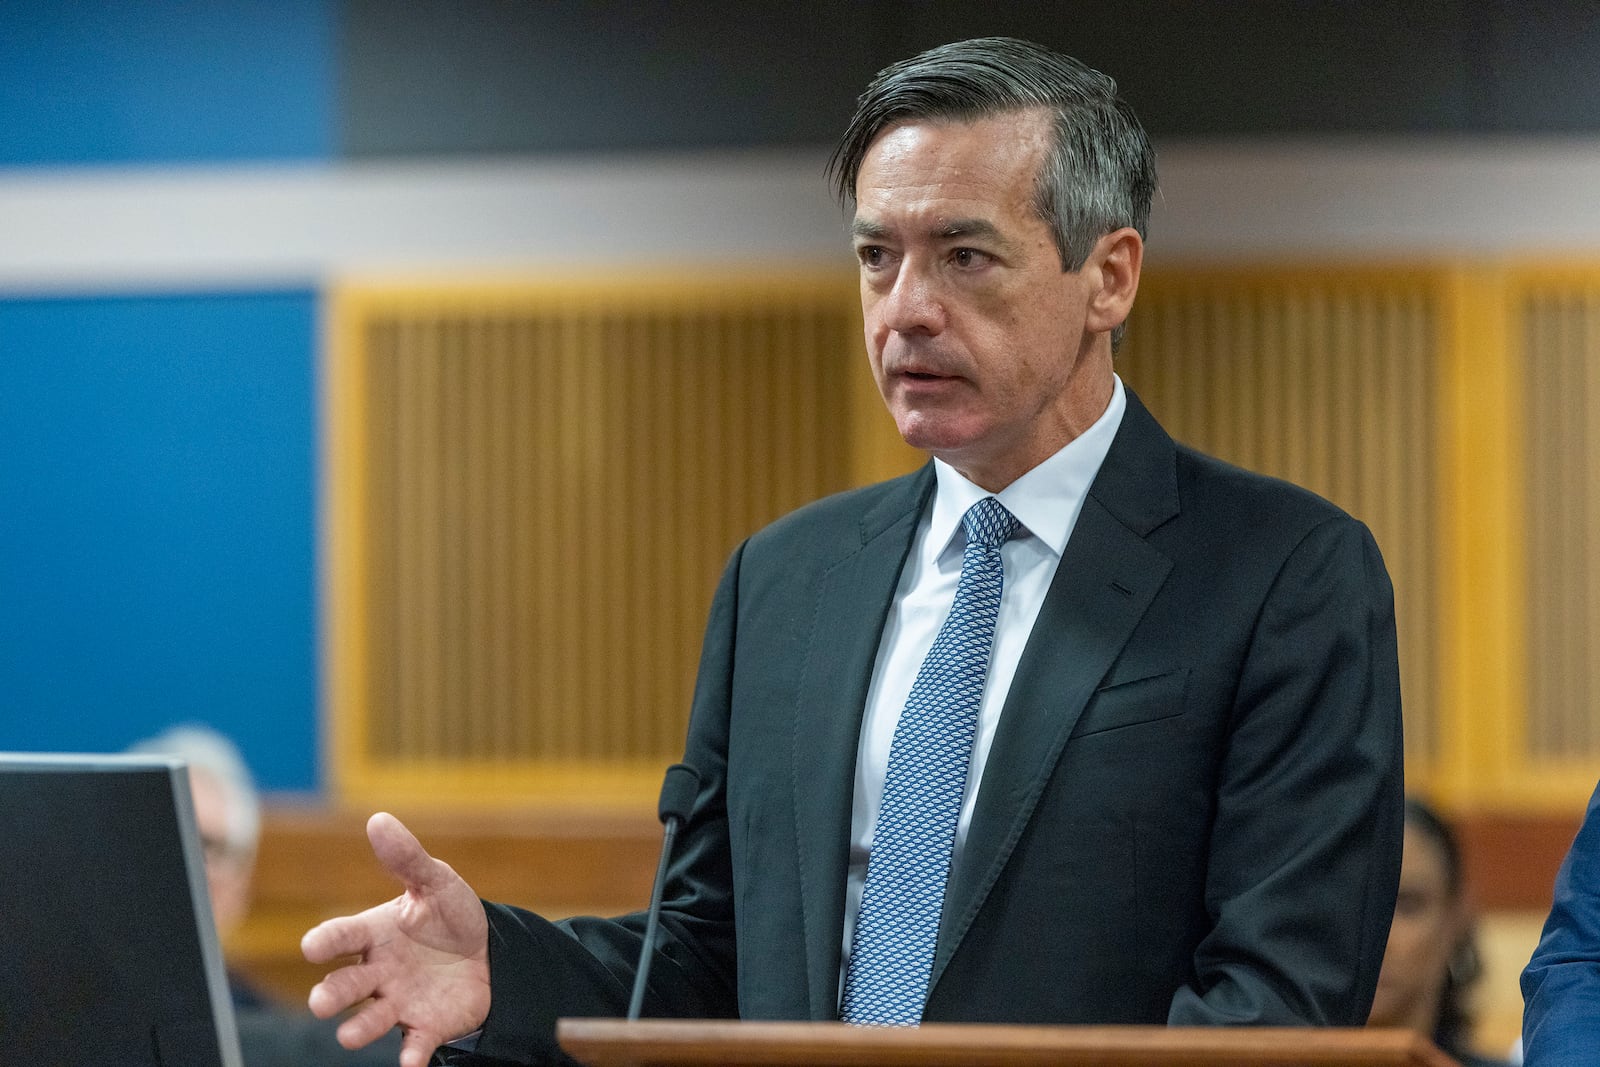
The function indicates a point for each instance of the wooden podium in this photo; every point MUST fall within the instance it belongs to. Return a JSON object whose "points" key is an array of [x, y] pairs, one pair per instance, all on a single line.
{"points": [[693, 1043]]}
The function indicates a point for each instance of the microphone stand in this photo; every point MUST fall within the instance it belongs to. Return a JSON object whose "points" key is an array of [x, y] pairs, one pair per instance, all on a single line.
{"points": [[678, 791]]}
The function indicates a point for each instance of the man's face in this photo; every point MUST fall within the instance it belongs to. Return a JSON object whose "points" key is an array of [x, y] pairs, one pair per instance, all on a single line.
{"points": [[1428, 924], [227, 871], [975, 334]]}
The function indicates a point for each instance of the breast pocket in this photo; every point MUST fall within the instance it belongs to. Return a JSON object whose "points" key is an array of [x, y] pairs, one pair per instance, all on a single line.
{"points": [[1132, 703]]}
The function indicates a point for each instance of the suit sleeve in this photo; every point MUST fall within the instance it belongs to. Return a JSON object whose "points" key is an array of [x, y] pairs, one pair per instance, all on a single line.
{"points": [[1561, 985], [1305, 852], [541, 971]]}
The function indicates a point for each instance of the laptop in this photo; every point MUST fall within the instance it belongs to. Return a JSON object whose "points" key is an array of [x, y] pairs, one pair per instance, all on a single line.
{"points": [[108, 952]]}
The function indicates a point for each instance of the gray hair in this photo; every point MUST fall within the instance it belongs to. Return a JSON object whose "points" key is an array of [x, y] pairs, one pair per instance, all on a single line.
{"points": [[1101, 171], [207, 751]]}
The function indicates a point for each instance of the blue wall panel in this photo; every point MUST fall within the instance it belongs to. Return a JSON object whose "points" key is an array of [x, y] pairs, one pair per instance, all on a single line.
{"points": [[158, 526], [106, 81]]}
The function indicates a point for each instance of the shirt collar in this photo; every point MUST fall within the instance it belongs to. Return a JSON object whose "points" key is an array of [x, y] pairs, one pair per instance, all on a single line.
{"points": [[1046, 500]]}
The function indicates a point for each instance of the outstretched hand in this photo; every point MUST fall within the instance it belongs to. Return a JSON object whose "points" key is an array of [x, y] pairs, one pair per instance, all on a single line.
{"points": [[423, 956]]}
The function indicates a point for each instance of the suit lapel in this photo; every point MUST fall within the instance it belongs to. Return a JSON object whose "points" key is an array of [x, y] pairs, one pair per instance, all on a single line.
{"points": [[852, 602], [1107, 577]]}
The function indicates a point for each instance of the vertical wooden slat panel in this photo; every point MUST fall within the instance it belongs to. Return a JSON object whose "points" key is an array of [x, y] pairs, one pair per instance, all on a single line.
{"points": [[1548, 670], [380, 386], [1541, 631], [1588, 535], [1342, 351], [1568, 501], [1564, 582], [522, 646], [442, 726], [1570, 495], [1584, 353], [547, 577], [1405, 439], [420, 614], [1561, 333], [1296, 388], [555, 477], [467, 548], [655, 599], [1549, 458]]}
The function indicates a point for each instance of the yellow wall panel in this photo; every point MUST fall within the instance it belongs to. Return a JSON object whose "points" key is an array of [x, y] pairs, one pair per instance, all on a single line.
{"points": [[543, 483], [1555, 345], [533, 484]]}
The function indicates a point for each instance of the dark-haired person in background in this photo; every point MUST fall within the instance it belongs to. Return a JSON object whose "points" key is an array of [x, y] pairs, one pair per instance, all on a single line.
{"points": [[1073, 725], [1432, 959], [1561, 984]]}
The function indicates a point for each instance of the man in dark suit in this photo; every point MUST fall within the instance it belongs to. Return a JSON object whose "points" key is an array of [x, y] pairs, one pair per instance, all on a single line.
{"points": [[1074, 725]]}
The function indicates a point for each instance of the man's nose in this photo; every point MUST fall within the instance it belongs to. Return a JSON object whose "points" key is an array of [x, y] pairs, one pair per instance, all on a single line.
{"points": [[913, 304]]}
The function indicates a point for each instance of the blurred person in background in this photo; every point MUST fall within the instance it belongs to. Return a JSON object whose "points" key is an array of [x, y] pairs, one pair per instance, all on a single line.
{"points": [[1561, 985], [227, 811], [1432, 958]]}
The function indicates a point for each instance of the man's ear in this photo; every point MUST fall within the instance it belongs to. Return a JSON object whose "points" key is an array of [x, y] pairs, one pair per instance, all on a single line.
{"points": [[1113, 270]]}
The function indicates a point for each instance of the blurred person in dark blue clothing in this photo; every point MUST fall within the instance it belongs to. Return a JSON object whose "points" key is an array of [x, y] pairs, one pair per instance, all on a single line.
{"points": [[1561, 985]]}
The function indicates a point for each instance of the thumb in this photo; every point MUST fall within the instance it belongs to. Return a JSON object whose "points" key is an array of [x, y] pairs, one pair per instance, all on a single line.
{"points": [[401, 854]]}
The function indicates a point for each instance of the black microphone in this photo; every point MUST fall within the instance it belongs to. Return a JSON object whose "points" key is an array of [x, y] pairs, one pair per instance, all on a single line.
{"points": [[678, 791]]}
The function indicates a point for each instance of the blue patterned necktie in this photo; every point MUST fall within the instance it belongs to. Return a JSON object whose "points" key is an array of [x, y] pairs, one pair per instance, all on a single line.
{"points": [[891, 954]]}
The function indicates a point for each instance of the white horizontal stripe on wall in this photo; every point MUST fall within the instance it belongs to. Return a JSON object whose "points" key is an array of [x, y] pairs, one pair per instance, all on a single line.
{"points": [[145, 228], [1388, 199], [107, 229]]}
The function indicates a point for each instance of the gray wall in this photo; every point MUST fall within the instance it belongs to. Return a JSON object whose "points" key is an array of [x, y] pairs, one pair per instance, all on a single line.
{"points": [[477, 76]]}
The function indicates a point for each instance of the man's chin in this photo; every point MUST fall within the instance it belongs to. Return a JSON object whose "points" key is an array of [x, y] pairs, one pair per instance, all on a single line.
{"points": [[939, 434]]}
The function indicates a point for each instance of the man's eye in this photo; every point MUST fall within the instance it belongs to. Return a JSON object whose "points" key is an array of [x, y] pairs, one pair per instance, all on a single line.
{"points": [[871, 255], [968, 257]]}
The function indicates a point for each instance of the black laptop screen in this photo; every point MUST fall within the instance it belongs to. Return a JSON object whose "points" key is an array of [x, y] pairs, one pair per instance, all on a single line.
{"points": [[108, 953]]}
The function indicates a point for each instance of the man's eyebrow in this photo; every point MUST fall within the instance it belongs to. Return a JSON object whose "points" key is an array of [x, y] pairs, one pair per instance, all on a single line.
{"points": [[868, 229], [952, 229], [971, 228]]}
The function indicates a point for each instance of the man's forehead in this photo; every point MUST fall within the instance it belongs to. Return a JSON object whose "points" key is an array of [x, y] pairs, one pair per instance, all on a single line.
{"points": [[941, 165]]}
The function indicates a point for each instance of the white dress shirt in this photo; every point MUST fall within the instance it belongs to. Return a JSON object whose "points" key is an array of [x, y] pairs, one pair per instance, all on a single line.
{"points": [[1046, 502]]}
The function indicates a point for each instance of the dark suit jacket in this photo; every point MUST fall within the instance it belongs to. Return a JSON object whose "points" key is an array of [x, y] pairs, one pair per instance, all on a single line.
{"points": [[1191, 812]]}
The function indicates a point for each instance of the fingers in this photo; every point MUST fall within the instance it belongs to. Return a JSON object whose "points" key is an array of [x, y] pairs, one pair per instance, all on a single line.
{"points": [[410, 951], [417, 1048], [342, 988], [354, 935], [402, 854], [367, 1025], [349, 935]]}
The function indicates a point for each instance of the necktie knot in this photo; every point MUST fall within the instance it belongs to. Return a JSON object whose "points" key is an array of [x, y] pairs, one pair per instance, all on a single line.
{"points": [[988, 523]]}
